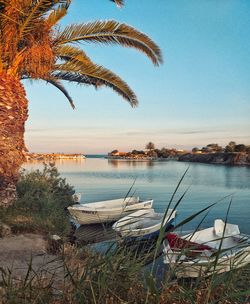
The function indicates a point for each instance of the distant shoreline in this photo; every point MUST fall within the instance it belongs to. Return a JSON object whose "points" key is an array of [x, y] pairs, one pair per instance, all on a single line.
{"points": [[231, 159], [220, 158], [53, 156]]}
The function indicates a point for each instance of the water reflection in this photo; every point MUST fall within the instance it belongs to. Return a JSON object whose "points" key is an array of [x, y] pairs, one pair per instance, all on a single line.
{"points": [[106, 171], [95, 233], [119, 163], [233, 176], [220, 176]]}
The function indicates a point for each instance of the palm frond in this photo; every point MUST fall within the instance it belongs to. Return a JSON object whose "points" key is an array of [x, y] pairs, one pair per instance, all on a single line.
{"points": [[119, 3], [111, 32], [37, 9], [57, 14], [69, 52], [13, 70], [93, 74], [60, 87], [77, 78], [31, 47]]}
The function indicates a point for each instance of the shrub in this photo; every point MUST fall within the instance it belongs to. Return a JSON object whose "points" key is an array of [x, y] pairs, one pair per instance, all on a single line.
{"points": [[42, 199]]}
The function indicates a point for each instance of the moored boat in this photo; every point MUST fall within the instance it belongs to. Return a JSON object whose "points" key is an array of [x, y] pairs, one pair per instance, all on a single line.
{"points": [[217, 249], [107, 211], [144, 224]]}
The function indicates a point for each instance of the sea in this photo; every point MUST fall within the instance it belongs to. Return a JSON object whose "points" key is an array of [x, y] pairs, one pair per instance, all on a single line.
{"points": [[201, 185]]}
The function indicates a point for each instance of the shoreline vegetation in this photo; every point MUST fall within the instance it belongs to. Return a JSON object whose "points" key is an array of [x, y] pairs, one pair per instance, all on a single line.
{"points": [[232, 154], [39, 267]]}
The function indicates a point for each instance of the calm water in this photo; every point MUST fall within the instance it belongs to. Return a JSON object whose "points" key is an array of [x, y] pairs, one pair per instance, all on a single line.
{"points": [[100, 179]]}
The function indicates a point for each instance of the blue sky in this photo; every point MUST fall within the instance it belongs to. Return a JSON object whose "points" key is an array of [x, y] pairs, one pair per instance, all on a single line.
{"points": [[200, 95]]}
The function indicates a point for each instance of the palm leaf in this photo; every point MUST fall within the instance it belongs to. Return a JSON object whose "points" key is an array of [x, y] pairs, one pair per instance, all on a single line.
{"points": [[111, 32], [36, 10], [93, 74], [119, 3], [61, 88], [56, 83], [77, 78], [57, 14], [69, 52], [41, 47], [80, 69]]}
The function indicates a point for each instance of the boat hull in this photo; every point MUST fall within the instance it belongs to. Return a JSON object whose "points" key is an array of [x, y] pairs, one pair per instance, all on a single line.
{"points": [[85, 215], [206, 266], [150, 235], [135, 225]]}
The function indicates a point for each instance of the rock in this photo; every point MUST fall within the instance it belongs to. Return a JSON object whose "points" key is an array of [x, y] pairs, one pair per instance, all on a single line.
{"points": [[55, 244], [7, 195], [55, 237], [5, 230]]}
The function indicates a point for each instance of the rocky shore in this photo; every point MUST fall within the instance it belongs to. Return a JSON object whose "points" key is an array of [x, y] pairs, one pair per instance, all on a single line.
{"points": [[238, 159]]}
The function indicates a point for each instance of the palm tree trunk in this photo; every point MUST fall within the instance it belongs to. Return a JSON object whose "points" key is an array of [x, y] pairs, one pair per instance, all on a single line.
{"points": [[13, 114]]}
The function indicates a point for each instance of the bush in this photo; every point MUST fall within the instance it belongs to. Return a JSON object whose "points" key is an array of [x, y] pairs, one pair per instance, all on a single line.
{"points": [[42, 199]]}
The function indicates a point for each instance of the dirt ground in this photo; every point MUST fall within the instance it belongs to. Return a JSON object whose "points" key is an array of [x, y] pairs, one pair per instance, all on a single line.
{"points": [[19, 251]]}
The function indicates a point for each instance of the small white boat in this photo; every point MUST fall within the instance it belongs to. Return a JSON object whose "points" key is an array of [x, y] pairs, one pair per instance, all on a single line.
{"points": [[143, 224], [107, 211], [213, 250]]}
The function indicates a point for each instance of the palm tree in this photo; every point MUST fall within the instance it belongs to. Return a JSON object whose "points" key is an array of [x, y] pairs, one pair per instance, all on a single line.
{"points": [[32, 46]]}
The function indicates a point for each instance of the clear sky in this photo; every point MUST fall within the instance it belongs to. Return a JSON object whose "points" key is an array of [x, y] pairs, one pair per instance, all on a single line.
{"points": [[200, 95]]}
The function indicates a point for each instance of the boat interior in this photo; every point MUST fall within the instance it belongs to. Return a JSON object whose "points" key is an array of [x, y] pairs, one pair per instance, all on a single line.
{"points": [[220, 236]]}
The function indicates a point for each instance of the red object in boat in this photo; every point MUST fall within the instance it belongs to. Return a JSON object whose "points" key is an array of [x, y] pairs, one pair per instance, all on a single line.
{"points": [[177, 243]]}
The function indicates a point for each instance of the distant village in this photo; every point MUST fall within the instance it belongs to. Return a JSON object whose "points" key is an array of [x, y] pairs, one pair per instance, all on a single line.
{"points": [[232, 154], [52, 156], [152, 152]]}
